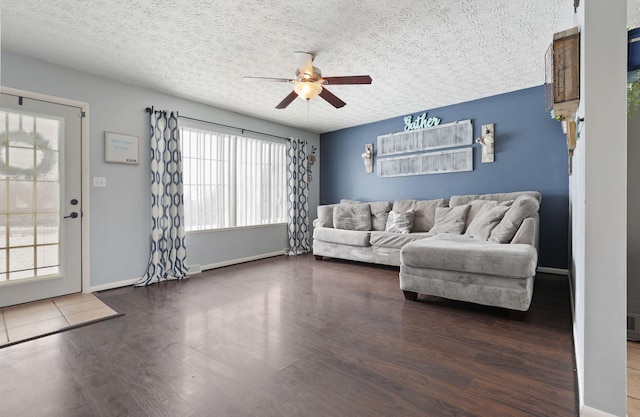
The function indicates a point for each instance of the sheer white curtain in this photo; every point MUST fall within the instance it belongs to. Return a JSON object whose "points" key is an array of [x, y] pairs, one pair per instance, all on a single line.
{"points": [[232, 181], [168, 251]]}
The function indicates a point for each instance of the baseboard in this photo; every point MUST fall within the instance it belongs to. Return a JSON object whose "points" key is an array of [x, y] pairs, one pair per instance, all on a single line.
{"points": [[577, 358], [192, 269], [112, 285], [593, 412], [554, 271], [241, 260]]}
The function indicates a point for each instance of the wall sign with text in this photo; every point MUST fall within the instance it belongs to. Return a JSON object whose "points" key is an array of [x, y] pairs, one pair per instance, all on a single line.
{"points": [[120, 148], [420, 122]]}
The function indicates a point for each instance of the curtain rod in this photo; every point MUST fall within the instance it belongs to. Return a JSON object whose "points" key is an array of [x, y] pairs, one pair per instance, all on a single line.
{"points": [[150, 109]]}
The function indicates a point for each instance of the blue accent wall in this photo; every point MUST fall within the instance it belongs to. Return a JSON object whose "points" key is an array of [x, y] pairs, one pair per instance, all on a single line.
{"points": [[530, 154]]}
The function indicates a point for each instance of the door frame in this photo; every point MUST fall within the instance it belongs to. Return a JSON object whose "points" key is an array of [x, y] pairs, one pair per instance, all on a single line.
{"points": [[84, 168]]}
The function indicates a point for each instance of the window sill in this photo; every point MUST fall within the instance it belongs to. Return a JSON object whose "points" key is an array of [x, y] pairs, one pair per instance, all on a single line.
{"points": [[227, 229]]}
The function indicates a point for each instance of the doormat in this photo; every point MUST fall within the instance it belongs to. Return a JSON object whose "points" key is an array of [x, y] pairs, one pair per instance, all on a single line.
{"points": [[37, 319]]}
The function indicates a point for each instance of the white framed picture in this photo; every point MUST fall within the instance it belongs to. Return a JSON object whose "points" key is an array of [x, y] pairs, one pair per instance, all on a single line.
{"points": [[121, 148]]}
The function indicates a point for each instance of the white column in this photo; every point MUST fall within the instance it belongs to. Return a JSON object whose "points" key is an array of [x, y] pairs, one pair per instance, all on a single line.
{"points": [[598, 195]]}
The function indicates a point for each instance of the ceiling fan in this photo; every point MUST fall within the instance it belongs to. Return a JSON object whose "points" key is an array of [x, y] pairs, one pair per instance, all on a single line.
{"points": [[309, 82]]}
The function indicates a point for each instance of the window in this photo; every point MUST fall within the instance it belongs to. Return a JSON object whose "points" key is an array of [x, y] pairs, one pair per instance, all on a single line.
{"points": [[232, 181]]}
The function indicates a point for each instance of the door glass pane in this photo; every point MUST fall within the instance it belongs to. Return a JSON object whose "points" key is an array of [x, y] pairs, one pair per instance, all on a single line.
{"points": [[21, 262], [3, 232], [20, 162], [26, 123], [47, 226], [13, 121], [48, 133], [3, 261], [47, 256], [3, 265], [20, 197], [47, 197], [21, 228], [3, 156], [30, 171], [47, 168], [3, 195]]}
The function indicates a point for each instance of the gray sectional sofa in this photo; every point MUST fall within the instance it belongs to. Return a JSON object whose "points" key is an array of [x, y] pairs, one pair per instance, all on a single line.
{"points": [[475, 248]]}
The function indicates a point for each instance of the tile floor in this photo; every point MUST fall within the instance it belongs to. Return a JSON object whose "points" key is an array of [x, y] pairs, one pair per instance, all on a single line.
{"points": [[28, 320], [633, 379]]}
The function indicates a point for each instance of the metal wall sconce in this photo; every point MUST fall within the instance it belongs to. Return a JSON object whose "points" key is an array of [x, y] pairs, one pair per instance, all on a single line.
{"points": [[487, 139], [367, 156]]}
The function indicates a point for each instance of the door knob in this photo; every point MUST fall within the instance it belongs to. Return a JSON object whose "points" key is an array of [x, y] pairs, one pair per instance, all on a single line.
{"points": [[73, 215]]}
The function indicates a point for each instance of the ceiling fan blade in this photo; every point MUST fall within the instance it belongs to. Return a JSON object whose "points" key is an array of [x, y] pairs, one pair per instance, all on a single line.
{"points": [[287, 100], [332, 99], [276, 80], [349, 79], [305, 62]]}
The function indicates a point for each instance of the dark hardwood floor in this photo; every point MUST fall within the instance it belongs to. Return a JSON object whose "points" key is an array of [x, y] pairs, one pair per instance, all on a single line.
{"points": [[299, 337]]}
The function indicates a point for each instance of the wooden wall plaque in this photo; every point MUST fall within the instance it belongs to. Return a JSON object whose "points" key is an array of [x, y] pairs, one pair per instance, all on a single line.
{"points": [[566, 72]]}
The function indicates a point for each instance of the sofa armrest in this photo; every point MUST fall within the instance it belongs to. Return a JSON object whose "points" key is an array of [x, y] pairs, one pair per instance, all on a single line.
{"points": [[528, 231]]}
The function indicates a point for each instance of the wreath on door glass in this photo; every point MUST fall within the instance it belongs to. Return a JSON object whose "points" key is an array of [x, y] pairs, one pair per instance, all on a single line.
{"points": [[16, 137]]}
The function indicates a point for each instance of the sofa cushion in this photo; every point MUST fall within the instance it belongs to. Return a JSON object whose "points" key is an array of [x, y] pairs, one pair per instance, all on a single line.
{"points": [[325, 216], [424, 212], [486, 220], [523, 207], [450, 219], [460, 253], [395, 240], [458, 200], [379, 214], [352, 216], [344, 237], [399, 222]]}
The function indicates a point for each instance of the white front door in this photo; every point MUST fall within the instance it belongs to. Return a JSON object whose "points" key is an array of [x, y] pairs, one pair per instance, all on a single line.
{"points": [[40, 200]]}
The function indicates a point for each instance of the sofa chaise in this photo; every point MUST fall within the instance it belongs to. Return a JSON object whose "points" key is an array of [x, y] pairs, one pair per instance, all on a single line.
{"points": [[476, 248]]}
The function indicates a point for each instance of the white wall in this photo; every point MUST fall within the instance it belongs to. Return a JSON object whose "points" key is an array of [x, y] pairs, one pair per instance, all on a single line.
{"points": [[598, 210], [633, 222], [119, 222]]}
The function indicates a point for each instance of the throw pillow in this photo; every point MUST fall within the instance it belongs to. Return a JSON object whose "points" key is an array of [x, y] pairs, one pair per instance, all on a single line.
{"points": [[522, 207], [352, 217], [450, 219], [379, 214], [399, 222], [475, 206], [485, 221]]}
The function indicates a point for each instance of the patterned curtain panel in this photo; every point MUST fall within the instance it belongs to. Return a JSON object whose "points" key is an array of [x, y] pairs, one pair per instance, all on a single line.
{"points": [[299, 241], [168, 252]]}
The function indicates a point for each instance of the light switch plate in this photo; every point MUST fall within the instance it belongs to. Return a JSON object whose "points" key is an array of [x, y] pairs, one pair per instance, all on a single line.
{"points": [[99, 182]]}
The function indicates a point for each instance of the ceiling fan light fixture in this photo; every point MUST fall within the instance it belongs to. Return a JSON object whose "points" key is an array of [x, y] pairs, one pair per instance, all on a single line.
{"points": [[307, 90], [309, 82]]}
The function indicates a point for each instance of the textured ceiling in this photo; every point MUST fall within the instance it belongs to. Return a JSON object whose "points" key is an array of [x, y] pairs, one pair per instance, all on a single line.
{"points": [[420, 54]]}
